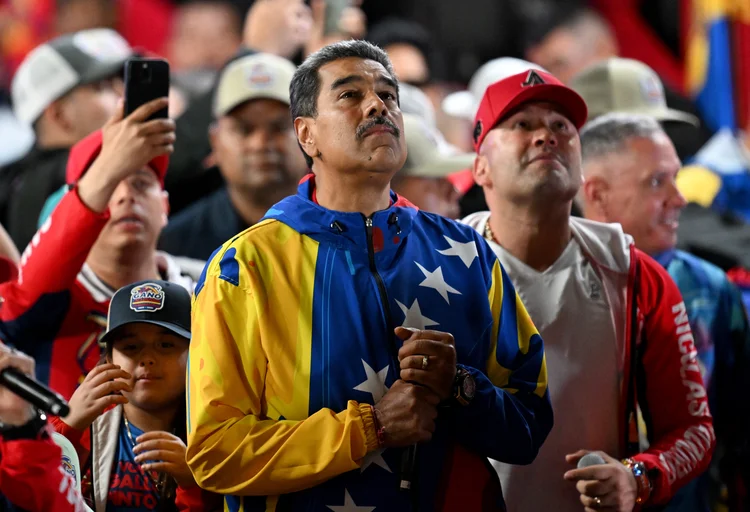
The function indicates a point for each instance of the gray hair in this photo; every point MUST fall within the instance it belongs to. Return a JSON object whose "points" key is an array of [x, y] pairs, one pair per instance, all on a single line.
{"points": [[305, 86], [608, 134]]}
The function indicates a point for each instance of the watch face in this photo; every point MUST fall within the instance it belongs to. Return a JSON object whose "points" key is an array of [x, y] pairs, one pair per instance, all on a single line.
{"points": [[469, 387]]}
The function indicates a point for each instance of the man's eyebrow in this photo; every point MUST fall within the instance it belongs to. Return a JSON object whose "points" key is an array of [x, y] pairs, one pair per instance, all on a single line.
{"points": [[346, 81]]}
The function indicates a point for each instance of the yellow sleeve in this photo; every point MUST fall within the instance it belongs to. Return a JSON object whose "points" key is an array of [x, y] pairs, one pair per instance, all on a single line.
{"points": [[233, 447]]}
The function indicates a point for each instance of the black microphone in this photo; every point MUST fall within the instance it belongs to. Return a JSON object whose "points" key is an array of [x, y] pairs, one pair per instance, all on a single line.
{"points": [[38, 395], [408, 468]]}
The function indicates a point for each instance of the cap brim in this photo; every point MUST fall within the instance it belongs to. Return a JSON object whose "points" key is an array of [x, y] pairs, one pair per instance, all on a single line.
{"points": [[669, 114], [260, 95], [443, 166], [570, 102], [103, 71], [176, 329], [460, 104]]}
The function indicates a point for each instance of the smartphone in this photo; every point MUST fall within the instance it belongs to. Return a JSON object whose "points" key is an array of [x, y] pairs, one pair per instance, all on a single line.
{"points": [[334, 8], [145, 81]]}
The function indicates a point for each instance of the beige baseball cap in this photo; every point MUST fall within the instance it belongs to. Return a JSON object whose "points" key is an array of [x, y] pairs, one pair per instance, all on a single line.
{"points": [[260, 75], [626, 85], [425, 158]]}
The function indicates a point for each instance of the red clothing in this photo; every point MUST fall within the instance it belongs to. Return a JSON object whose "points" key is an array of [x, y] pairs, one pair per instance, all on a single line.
{"points": [[31, 476], [669, 387], [47, 312]]}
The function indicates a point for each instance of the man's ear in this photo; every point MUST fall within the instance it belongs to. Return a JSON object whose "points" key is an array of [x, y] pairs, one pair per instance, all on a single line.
{"points": [[594, 197], [56, 114], [165, 208], [304, 128], [481, 171]]}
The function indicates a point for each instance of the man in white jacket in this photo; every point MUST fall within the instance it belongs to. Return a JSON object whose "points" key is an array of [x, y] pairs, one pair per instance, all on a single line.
{"points": [[618, 341]]}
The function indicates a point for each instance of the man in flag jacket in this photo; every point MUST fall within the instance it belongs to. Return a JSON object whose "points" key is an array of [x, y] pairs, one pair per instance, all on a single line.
{"points": [[348, 326]]}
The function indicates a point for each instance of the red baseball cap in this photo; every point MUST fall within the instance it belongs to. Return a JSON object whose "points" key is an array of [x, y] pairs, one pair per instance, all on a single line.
{"points": [[504, 96], [83, 154]]}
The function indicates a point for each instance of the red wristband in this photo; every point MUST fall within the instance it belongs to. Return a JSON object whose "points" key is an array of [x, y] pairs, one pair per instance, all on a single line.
{"points": [[379, 429]]}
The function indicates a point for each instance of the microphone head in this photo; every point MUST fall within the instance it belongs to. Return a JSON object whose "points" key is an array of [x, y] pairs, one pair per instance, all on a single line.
{"points": [[591, 459]]}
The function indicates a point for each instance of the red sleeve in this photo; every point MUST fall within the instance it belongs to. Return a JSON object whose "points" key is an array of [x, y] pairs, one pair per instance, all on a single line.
{"points": [[80, 439], [671, 394], [195, 499], [32, 478], [50, 263]]}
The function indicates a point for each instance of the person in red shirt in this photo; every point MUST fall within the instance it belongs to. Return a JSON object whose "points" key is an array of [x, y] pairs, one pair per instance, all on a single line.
{"points": [[31, 475]]}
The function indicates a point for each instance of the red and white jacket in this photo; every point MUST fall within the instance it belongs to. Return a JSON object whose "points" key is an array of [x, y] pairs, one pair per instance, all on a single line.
{"points": [[32, 477], [663, 383]]}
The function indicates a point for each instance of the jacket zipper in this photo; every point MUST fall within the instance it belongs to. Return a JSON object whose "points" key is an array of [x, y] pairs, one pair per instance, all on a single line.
{"points": [[382, 292]]}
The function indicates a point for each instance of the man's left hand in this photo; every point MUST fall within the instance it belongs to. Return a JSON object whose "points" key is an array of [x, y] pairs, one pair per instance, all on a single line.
{"points": [[437, 350], [609, 486]]}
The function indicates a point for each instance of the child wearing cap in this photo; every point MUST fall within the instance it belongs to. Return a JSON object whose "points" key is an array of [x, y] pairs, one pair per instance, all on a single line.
{"points": [[127, 418]]}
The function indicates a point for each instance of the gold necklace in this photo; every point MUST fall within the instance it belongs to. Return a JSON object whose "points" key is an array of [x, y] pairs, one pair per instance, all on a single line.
{"points": [[158, 482], [488, 232]]}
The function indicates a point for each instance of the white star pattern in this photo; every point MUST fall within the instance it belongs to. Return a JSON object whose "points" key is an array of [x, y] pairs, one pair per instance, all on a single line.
{"points": [[436, 281], [349, 505], [467, 251], [414, 317], [375, 383], [376, 458]]}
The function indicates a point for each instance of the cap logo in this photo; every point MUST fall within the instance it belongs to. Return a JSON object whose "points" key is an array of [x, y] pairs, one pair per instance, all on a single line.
{"points": [[652, 90], [259, 76], [533, 78], [147, 298], [477, 131], [67, 466]]}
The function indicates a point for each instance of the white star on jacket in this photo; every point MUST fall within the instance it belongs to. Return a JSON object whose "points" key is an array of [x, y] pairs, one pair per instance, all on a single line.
{"points": [[414, 317], [349, 505], [436, 281], [375, 383], [467, 251], [375, 458]]}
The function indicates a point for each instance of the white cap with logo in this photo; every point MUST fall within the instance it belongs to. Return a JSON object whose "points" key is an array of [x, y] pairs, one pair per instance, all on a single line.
{"points": [[259, 75]]}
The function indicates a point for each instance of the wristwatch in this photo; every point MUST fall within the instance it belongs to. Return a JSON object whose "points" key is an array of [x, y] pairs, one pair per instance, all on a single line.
{"points": [[32, 429], [464, 386], [641, 479]]}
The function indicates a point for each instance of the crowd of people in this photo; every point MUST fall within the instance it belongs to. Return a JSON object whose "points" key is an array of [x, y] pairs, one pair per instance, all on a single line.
{"points": [[318, 286]]}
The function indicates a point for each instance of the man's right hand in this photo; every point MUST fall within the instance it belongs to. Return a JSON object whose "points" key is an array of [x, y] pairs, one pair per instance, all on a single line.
{"points": [[99, 390], [407, 412], [128, 145], [14, 410]]}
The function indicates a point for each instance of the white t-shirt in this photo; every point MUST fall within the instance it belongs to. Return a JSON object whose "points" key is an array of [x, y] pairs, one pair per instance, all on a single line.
{"points": [[570, 310]]}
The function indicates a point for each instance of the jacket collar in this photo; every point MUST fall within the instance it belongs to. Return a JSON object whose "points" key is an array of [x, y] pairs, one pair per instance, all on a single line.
{"points": [[346, 229]]}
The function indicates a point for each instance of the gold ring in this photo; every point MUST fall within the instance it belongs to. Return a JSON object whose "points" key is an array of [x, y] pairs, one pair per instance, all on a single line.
{"points": [[425, 362], [598, 501]]}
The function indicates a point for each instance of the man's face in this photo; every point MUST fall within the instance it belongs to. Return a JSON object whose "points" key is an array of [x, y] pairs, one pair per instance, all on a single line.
{"points": [[408, 63], [564, 53], [88, 107], [533, 154], [138, 212], [435, 195], [256, 148], [156, 359], [204, 36], [642, 194], [359, 126]]}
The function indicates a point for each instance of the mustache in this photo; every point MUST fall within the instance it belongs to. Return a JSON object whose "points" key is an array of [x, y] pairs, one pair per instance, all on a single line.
{"points": [[271, 157], [376, 121]]}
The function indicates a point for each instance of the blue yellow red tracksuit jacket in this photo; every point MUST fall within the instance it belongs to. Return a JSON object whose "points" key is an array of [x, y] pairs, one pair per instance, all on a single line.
{"points": [[293, 340]]}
